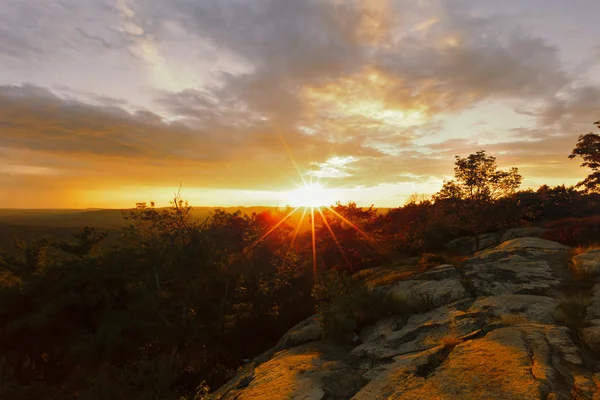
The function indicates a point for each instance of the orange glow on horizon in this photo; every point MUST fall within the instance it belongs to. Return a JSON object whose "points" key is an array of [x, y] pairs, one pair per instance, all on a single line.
{"points": [[310, 196]]}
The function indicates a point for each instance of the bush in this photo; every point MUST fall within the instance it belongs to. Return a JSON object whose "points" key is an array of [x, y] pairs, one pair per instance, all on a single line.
{"points": [[344, 305], [574, 231]]}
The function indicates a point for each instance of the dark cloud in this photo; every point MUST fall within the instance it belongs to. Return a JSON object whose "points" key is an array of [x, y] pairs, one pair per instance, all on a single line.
{"points": [[35, 118], [569, 109]]}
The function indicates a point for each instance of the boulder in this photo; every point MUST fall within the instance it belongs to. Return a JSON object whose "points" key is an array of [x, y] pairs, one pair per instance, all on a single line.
{"points": [[590, 261], [593, 310], [528, 231], [519, 266], [306, 331], [591, 337], [505, 308], [466, 245], [530, 243], [418, 294]]}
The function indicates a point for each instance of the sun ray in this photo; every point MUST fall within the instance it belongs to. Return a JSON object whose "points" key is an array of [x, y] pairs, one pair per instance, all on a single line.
{"points": [[312, 195], [299, 225], [287, 149], [335, 239], [314, 242], [273, 228], [349, 223]]}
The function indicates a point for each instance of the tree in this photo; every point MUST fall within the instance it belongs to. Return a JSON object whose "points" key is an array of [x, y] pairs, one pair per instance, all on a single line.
{"points": [[588, 148], [86, 239], [477, 185]]}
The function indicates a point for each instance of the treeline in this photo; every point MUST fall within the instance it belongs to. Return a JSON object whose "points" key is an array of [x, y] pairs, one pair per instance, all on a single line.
{"points": [[178, 302], [177, 305]]}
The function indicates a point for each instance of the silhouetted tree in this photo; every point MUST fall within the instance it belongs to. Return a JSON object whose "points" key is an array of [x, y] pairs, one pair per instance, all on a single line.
{"points": [[588, 148], [85, 240], [470, 196]]}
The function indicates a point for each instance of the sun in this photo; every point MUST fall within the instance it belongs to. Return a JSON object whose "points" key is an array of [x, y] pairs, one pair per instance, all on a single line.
{"points": [[311, 195], [314, 198]]}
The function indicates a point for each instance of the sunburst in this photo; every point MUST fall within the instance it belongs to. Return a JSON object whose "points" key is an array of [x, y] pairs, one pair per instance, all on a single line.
{"points": [[311, 197]]}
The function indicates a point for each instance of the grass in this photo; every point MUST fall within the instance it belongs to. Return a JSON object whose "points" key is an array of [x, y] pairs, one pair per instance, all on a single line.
{"points": [[431, 260], [448, 340], [512, 319], [582, 276], [364, 274], [582, 249], [571, 310]]}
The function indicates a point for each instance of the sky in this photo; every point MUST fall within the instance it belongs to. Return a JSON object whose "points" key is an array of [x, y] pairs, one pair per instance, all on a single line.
{"points": [[105, 103]]}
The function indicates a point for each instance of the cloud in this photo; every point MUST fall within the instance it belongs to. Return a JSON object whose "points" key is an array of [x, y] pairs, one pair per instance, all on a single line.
{"points": [[341, 67], [34, 118], [224, 82]]}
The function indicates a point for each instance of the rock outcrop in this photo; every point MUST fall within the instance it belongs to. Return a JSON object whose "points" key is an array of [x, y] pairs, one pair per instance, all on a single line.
{"points": [[487, 330], [466, 245]]}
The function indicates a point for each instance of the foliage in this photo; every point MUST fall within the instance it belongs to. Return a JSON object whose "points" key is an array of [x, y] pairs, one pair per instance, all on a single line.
{"points": [[342, 238], [574, 231], [588, 148], [476, 177], [344, 304], [469, 198], [175, 302]]}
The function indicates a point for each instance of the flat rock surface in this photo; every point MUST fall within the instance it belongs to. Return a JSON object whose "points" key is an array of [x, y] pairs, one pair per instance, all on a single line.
{"points": [[531, 308], [508, 363], [519, 266]]}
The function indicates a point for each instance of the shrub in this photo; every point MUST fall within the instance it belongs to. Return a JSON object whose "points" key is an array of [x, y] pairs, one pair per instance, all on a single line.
{"points": [[341, 300], [574, 231]]}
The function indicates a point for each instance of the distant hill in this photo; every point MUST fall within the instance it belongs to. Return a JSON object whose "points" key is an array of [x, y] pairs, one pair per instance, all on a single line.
{"points": [[30, 224], [101, 218]]}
